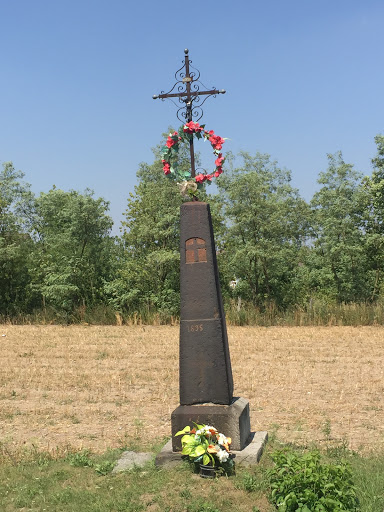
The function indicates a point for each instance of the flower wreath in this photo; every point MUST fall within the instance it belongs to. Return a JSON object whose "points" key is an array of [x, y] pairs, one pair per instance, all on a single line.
{"points": [[171, 149]]}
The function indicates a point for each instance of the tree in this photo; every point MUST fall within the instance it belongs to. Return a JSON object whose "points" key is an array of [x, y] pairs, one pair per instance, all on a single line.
{"points": [[266, 229], [15, 242], [339, 260], [374, 219], [73, 252], [148, 277]]}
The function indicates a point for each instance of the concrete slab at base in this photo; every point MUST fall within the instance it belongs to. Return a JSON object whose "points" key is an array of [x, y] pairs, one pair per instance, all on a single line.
{"points": [[249, 456], [232, 420], [253, 451], [130, 459]]}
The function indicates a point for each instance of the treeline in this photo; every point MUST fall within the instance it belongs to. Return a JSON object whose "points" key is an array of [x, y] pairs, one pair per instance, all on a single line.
{"points": [[281, 259]]}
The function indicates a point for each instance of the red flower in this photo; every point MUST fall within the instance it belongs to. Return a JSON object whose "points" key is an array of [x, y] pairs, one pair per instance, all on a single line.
{"points": [[172, 139], [209, 177], [216, 141], [170, 142], [192, 127], [219, 160], [218, 171], [200, 178], [166, 168]]}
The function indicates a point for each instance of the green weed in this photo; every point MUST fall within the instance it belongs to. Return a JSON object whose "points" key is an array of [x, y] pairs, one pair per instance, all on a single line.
{"points": [[302, 482], [251, 483], [104, 467], [80, 459]]}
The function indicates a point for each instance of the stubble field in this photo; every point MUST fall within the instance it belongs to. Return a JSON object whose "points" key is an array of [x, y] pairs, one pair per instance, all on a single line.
{"points": [[100, 387]]}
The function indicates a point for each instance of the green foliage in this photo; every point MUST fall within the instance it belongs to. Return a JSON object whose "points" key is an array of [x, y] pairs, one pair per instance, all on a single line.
{"points": [[73, 252], [80, 459], [15, 242], [301, 482], [295, 264], [105, 467], [374, 220], [338, 263], [84, 459], [251, 482], [148, 275], [267, 225]]}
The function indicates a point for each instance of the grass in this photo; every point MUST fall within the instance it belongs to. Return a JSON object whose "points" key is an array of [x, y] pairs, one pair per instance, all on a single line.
{"points": [[73, 483], [315, 312], [82, 481]]}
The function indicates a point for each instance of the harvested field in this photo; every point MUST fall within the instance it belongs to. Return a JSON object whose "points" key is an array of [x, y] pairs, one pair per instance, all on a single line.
{"points": [[109, 386]]}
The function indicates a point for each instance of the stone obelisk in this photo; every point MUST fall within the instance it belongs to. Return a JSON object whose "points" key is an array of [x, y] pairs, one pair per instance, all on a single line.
{"points": [[206, 384], [205, 365]]}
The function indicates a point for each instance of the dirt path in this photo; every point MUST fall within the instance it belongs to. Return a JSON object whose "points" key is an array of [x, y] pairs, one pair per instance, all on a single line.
{"points": [[101, 386]]}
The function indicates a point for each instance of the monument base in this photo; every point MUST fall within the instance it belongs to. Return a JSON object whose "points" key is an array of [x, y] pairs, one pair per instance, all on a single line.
{"points": [[249, 456], [231, 420]]}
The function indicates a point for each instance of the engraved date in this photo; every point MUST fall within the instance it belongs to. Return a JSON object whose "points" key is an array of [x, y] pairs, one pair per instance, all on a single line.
{"points": [[195, 328]]}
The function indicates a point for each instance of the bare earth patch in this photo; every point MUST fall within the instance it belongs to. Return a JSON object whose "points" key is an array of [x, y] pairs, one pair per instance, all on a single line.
{"points": [[109, 386]]}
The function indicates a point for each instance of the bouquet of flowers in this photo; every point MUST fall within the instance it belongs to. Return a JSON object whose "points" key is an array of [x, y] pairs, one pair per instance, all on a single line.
{"points": [[204, 444]]}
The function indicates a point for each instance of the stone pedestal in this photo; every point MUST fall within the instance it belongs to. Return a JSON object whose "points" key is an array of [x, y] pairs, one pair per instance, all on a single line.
{"points": [[232, 420]]}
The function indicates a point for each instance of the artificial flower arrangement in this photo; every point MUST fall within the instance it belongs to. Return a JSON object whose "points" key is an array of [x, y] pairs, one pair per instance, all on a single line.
{"points": [[187, 184], [204, 444]]}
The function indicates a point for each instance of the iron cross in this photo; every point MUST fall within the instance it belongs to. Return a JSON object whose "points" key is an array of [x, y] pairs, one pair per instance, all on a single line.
{"points": [[189, 94]]}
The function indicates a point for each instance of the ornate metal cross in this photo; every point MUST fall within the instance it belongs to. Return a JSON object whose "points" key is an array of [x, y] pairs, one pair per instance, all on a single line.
{"points": [[189, 94]]}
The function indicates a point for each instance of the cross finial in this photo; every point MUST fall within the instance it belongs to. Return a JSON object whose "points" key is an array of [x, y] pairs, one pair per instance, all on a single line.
{"points": [[189, 95], [188, 86]]}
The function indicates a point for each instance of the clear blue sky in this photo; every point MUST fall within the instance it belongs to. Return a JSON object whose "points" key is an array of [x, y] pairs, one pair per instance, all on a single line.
{"points": [[304, 78]]}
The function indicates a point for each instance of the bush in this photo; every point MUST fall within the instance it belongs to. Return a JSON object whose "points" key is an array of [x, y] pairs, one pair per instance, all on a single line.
{"points": [[301, 482]]}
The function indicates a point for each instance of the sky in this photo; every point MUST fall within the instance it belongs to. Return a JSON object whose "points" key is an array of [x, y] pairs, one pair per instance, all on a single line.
{"points": [[304, 78]]}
